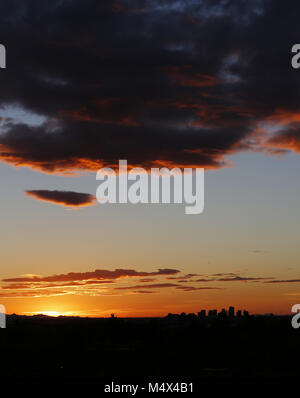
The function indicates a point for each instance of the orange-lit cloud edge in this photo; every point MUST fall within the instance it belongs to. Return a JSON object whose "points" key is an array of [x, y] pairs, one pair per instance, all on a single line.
{"points": [[275, 134]]}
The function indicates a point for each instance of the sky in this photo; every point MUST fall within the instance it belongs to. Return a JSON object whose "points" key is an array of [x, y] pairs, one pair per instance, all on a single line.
{"points": [[185, 84]]}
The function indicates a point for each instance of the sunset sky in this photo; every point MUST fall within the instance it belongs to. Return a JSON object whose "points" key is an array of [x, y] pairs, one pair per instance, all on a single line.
{"points": [[175, 83]]}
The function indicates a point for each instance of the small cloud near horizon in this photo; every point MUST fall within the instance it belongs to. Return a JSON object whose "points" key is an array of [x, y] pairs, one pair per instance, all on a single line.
{"points": [[63, 198]]}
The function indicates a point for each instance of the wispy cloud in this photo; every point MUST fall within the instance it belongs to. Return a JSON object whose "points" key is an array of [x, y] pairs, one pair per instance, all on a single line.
{"points": [[92, 275], [284, 281], [92, 283], [242, 279], [103, 282], [150, 286], [193, 288]]}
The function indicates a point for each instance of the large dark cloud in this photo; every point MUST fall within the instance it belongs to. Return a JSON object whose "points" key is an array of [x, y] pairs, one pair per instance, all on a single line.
{"points": [[65, 198], [171, 82]]}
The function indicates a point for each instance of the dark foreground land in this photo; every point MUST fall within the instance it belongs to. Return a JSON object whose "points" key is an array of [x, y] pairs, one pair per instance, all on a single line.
{"points": [[253, 347]]}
